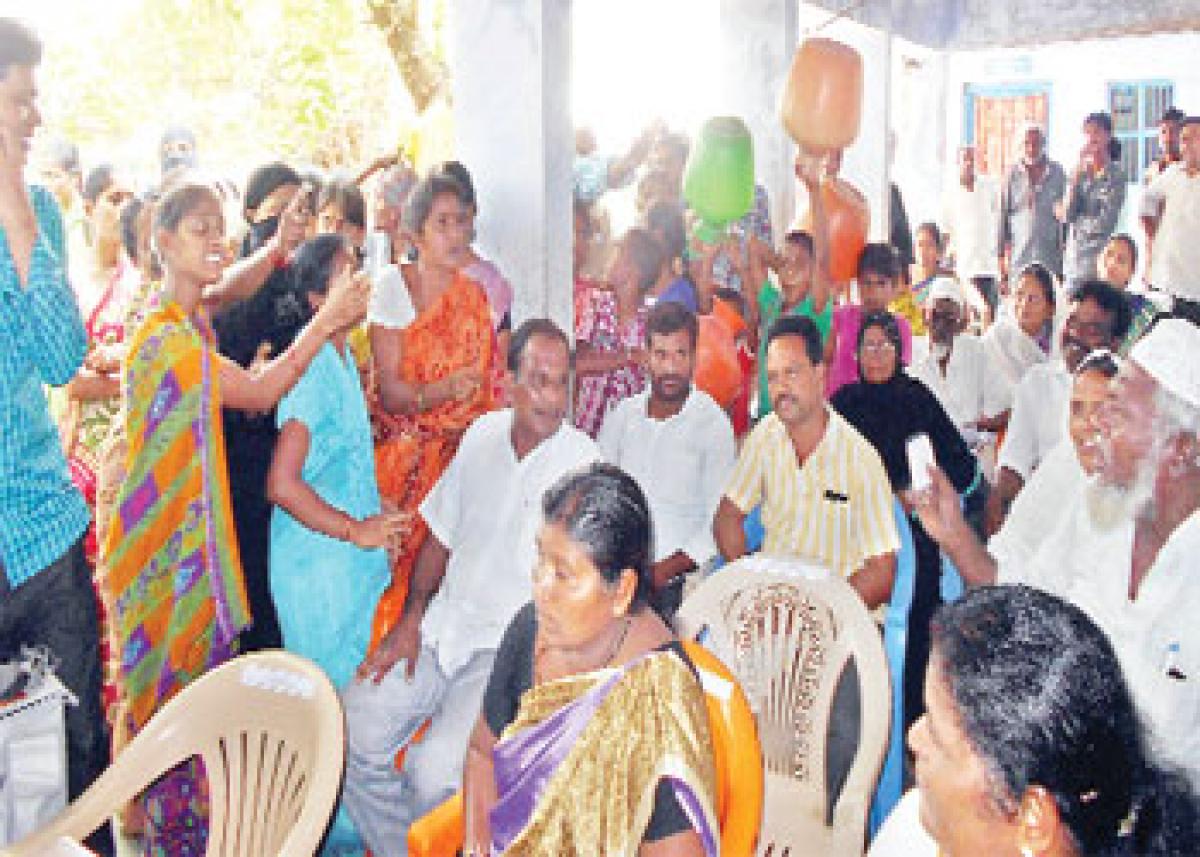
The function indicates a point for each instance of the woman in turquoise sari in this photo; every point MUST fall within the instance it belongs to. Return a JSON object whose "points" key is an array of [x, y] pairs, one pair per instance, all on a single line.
{"points": [[328, 531], [593, 737], [328, 565]]}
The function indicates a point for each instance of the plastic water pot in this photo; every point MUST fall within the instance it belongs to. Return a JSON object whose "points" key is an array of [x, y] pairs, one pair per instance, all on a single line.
{"points": [[822, 100], [718, 182]]}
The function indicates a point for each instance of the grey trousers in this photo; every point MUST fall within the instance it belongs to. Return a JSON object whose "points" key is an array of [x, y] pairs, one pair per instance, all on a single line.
{"points": [[382, 718]]}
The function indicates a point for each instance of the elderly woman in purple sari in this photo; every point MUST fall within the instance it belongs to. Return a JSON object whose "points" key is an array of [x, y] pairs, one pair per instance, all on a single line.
{"points": [[593, 738]]}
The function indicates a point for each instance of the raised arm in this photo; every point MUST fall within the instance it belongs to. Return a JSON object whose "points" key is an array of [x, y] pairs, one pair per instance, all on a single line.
{"points": [[246, 276], [809, 169], [621, 170], [941, 516], [261, 390]]}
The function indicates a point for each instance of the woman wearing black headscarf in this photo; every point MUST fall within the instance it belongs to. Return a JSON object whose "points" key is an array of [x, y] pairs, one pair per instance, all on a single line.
{"points": [[264, 321], [887, 407]]}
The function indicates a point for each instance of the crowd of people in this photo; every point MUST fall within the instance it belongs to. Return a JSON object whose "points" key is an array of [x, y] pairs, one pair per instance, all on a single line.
{"points": [[300, 413]]}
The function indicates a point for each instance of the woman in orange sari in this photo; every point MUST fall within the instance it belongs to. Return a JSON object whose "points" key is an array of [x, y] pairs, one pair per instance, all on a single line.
{"points": [[435, 359]]}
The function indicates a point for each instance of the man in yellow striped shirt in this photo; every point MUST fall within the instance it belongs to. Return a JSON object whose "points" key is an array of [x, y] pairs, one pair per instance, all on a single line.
{"points": [[824, 493]]}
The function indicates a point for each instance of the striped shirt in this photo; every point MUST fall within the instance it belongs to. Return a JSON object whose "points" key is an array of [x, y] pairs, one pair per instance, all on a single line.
{"points": [[44, 342], [835, 509]]}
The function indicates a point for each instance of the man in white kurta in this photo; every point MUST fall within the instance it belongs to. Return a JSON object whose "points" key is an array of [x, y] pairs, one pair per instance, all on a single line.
{"points": [[957, 368], [971, 219], [678, 444], [1156, 635], [469, 579], [1131, 565], [1171, 215]]}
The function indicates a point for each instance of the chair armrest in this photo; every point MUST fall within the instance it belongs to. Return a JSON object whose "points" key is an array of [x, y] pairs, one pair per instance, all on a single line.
{"points": [[438, 833]]}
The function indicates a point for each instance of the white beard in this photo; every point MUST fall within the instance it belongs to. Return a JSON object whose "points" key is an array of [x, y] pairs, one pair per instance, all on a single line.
{"points": [[939, 350], [1109, 506]]}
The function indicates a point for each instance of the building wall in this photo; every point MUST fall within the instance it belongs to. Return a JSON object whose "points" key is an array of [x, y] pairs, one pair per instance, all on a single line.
{"points": [[927, 99], [1079, 74]]}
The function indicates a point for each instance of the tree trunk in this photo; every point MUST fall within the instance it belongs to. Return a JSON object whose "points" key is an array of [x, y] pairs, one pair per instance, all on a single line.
{"points": [[424, 74]]}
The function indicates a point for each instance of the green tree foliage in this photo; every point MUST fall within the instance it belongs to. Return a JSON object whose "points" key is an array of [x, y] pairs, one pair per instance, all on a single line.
{"points": [[312, 81]]}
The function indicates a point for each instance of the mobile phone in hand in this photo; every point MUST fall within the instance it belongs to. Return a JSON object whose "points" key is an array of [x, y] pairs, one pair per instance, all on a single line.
{"points": [[920, 459]]}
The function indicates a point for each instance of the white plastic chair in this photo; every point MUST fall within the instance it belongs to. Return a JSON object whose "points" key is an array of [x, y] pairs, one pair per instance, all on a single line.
{"points": [[270, 731], [787, 631]]}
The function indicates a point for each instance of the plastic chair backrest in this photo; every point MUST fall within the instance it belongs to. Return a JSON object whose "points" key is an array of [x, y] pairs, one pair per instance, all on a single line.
{"points": [[787, 630], [738, 762], [270, 731], [895, 644]]}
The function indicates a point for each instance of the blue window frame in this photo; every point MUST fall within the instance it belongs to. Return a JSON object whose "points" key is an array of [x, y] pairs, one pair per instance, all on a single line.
{"points": [[1136, 107]]}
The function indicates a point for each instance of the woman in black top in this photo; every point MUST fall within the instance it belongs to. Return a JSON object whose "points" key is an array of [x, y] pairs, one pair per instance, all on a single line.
{"points": [[594, 734], [887, 407]]}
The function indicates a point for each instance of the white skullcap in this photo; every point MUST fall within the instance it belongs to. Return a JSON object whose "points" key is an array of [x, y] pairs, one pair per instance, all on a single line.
{"points": [[945, 288], [1170, 354]]}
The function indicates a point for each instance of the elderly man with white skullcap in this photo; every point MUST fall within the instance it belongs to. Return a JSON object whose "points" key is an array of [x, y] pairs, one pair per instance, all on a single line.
{"points": [[957, 367], [1030, 197], [1127, 550]]}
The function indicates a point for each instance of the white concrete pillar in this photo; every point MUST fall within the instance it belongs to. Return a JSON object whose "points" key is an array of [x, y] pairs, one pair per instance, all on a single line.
{"points": [[511, 73], [758, 38]]}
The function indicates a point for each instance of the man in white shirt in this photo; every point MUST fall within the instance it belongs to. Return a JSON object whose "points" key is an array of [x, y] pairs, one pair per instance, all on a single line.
{"points": [[470, 577], [1171, 215], [1099, 317], [678, 444], [1126, 550], [957, 368], [970, 220]]}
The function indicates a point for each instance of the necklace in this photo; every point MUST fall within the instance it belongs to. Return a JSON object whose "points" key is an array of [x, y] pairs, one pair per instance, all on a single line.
{"points": [[618, 642]]}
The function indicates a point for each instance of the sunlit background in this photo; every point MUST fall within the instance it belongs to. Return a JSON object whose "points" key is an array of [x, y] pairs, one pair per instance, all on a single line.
{"points": [[294, 78]]}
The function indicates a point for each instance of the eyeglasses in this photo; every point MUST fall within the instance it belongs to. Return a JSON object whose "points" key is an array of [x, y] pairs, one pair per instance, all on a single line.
{"points": [[878, 348]]}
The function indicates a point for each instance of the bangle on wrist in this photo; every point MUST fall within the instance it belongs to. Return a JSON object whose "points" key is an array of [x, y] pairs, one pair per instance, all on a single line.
{"points": [[420, 398], [347, 528], [278, 256]]}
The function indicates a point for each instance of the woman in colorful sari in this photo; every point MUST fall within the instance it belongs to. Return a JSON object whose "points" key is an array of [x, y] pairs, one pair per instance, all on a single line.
{"points": [[106, 285], [611, 331], [593, 737], [435, 359], [172, 575]]}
